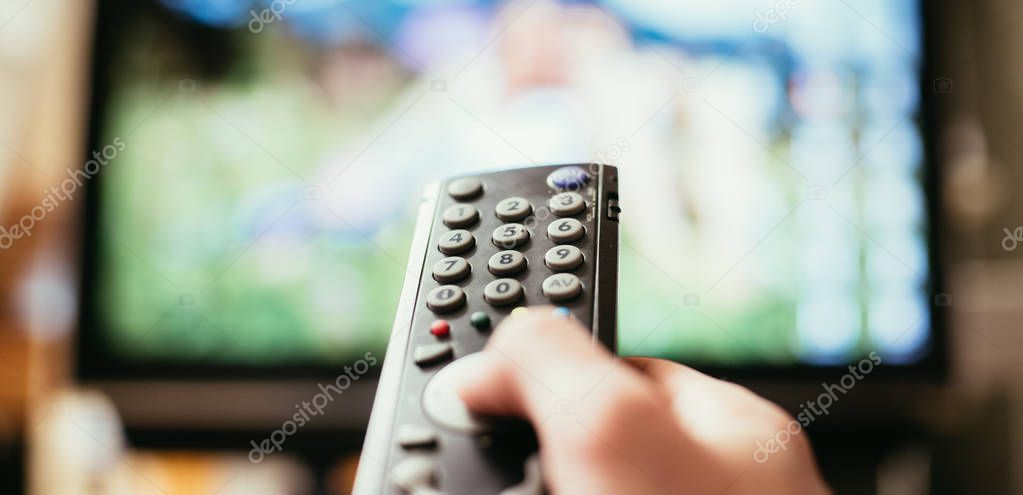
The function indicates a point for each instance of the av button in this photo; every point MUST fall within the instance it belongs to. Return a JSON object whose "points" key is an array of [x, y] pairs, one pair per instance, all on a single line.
{"points": [[562, 286]]}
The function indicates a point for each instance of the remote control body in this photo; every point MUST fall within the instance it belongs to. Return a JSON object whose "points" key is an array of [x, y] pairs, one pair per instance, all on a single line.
{"points": [[484, 245]]}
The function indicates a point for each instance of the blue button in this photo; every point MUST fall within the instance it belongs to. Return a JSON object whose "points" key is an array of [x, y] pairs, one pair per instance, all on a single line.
{"points": [[562, 312], [568, 177]]}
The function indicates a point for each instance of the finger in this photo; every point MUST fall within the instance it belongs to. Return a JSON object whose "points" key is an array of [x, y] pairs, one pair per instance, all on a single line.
{"points": [[716, 412], [696, 396], [533, 360], [602, 425]]}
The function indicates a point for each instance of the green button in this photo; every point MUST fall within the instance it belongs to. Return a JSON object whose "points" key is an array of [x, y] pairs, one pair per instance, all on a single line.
{"points": [[480, 320]]}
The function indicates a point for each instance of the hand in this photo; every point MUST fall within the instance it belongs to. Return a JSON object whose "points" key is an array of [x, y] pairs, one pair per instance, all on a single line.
{"points": [[633, 425]]}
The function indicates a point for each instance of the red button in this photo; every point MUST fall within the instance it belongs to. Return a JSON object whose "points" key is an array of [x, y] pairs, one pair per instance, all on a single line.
{"points": [[440, 328]]}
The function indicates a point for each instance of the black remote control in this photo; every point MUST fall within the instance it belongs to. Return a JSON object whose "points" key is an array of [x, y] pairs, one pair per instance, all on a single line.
{"points": [[484, 245]]}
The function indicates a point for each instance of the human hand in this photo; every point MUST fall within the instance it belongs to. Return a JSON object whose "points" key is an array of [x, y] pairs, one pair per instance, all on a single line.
{"points": [[633, 425]]}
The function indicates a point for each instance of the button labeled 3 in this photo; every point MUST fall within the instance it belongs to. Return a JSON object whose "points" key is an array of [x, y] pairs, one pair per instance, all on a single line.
{"points": [[567, 204]]}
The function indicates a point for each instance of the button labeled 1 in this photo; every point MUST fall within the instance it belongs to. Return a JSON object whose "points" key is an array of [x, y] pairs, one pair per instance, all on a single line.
{"points": [[460, 215]]}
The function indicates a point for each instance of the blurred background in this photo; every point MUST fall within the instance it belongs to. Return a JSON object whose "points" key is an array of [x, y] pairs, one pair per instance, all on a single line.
{"points": [[206, 207]]}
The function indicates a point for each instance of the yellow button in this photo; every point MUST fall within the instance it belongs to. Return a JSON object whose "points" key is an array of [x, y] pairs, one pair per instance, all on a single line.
{"points": [[519, 311]]}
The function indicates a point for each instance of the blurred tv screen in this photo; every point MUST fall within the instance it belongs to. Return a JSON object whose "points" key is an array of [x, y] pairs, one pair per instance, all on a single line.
{"points": [[261, 211]]}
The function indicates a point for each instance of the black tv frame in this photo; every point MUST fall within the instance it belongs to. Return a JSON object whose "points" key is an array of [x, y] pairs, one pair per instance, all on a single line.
{"points": [[96, 363]]}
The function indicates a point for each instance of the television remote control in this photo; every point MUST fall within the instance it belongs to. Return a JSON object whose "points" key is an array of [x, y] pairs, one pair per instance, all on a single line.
{"points": [[484, 245]]}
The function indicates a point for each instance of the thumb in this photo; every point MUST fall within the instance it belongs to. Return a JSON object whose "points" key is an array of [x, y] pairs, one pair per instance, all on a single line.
{"points": [[534, 360], [603, 426]]}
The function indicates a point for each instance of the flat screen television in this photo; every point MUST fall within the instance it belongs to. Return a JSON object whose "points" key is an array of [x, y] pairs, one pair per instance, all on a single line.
{"points": [[254, 220]]}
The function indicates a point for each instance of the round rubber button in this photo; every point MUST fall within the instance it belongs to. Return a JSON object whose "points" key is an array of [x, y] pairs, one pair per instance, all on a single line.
{"points": [[565, 230], [503, 291], [460, 215], [568, 178], [510, 235], [442, 404], [456, 241], [466, 188], [440, 328], [445, 298], [562, 286], [513, 208], [451, 269], [480, 320], [567, 203], [562, 258], [506, 263]]}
